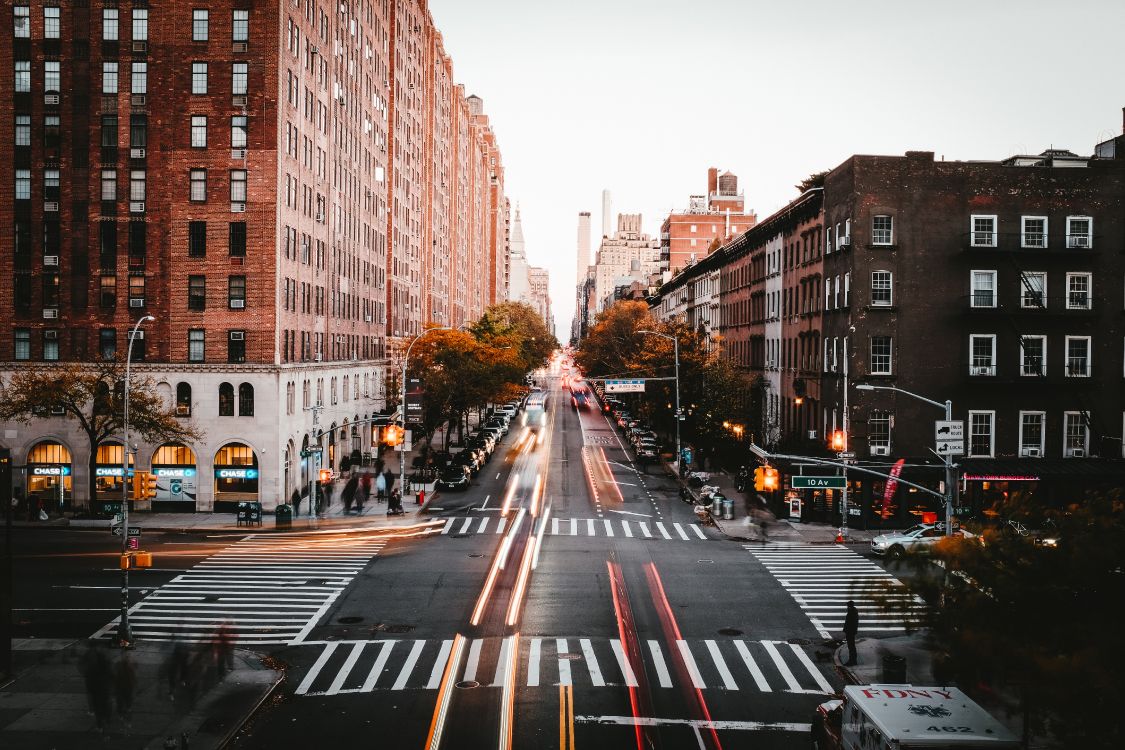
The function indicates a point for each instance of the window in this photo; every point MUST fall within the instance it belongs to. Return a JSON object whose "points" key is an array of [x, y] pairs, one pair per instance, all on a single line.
{"points": [[197, 239], [21, 15], [137, 243], [245, 400], [226, 400], [240, 27], [109, 78], [138, 83], [109, 185], [238, 131], [881, 355], [199, 78], [23, 76], [1033, 290], [982, 354], [23, 130], [1034, 232], [984, 289], [136, 289], [236, 292], [236, 346], [140, 24], [109, 24], [1033, 356], [198, 185], [1032, 440], [879, 425], [1079, 231], [197, 340], [51, 76], [981, 442], [199, 25], [137, 184], [199, 131], [882, 230], [108, 292], [237, 239], [1078, 356], [107, 343], [238, 82], [1078, 288], [51, 189], [50, 345], [983, 231], [183, 400], [23, 184], [197, 292], [1076, 434], [22, 343], [238, 186]]}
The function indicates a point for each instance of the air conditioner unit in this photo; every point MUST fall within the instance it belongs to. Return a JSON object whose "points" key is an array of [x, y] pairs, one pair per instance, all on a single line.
{"points": [[51, 335], [846, 241], [317, 357], [136, 302], [238, 208], [238, 335], [183, 410], [50, 260], [812, 434], [52, 206], [138, 100], [237, 304], [140, 46], [237, 260], [1080, 241], [1076, 452], [136, 207], [982, 370], [238, 153], [320, 216], [315, 50], [50, 98], [239, 100], [50, 313], [1032, 452], [241, 47], [136, 153], [880, 450], [367, 318], [139, 335]]}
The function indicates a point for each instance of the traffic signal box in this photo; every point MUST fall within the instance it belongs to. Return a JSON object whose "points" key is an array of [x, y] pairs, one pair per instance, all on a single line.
{"points": [[135, 560], [144, 485], [325, 476], [838, 442], [765, 479], [392, 434]]}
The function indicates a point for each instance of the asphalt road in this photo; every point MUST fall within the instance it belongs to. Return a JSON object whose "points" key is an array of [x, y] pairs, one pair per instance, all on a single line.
{"points": [[569, 598]]}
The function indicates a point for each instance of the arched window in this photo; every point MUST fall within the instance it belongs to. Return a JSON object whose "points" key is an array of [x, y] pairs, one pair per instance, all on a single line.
{"points": [[183, 399], [226, 400], [245, 400]]}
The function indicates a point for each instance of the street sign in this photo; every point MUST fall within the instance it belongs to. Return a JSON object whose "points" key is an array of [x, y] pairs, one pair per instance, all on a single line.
{"points": [[817, 483], [625, 386], [845, 455], [306, 452], [133, 531], [413, 401], [949, 437]]}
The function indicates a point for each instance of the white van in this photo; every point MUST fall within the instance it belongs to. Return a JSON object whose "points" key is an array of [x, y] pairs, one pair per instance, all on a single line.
{"points": [[905, 717]]}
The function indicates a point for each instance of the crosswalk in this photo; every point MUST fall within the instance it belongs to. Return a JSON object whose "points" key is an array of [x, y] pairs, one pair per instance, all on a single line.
{"points": [[725, 664], [606, 527], [822, 578], [266, 590]]}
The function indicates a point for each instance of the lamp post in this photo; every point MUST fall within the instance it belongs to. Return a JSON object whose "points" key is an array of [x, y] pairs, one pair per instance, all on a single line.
{"points": [[676, 351], [124, 632], [950, 471], [402, 404]]}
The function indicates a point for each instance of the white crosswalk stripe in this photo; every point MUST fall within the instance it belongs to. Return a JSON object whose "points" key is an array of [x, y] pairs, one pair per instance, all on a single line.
{"points": [[344, 667], [603, 527], [822, 578], [265, 589]]}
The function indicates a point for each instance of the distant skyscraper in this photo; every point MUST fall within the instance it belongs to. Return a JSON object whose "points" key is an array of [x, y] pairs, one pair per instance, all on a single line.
{"points": [[519, 285], [607, 214], [583, 262]]}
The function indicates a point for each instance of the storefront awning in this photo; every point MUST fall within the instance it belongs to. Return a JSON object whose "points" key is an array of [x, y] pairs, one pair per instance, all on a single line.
{"points": [[1032, 469]]}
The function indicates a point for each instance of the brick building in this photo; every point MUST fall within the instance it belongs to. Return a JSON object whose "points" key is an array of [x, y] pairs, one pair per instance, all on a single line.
{"points": [[288, 188], [690, 235]]}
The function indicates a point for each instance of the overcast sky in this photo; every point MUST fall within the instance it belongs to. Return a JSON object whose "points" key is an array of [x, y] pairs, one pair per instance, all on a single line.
{"points": [[642, 96]]}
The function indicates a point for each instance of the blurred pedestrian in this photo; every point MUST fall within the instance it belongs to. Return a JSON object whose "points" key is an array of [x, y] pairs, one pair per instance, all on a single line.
{"points": [[327, 496], [295, 501], [364, 492], [349, 492], [97, 674], [125, 687], [851, 627], [380, 487], [389, 477], [224, 649]]}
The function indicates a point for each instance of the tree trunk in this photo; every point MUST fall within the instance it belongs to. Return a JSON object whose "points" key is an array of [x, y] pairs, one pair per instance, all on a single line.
{"points": [[92, 479]]}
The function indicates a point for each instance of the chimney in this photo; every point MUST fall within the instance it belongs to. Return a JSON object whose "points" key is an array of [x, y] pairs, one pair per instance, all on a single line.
{"points": [[712, 181]]}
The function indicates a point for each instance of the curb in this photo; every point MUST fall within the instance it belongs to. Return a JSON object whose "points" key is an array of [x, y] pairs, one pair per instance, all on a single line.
{"points": [[250, 714], [841, 668], [244, 530]]}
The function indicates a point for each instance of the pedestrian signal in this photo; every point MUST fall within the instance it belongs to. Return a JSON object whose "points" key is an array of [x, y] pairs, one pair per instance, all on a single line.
{"points": [[771, 478], [325, 476]]}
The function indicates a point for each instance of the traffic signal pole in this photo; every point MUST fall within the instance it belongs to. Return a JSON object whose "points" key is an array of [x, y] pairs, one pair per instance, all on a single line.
{"points": [[124, 632]]}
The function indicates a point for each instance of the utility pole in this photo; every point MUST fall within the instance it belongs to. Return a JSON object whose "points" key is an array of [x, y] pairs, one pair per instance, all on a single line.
{"points": [[679, 417], [314, 460], [847, 440]]}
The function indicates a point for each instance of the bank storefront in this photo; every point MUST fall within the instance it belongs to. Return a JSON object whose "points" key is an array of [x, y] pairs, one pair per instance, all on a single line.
{"points": [[50, 476], [236, 477], [177, 478]]}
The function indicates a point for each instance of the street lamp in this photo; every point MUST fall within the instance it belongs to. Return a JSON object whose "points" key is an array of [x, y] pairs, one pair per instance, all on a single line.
{"points": [[124, 633], [676, 351], [402, 405], [950, 479]]}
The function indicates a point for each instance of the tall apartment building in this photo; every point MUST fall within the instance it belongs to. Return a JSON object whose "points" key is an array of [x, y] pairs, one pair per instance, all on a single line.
{"points": [[628, 250], [284, 186], [708, 222], [539, 282]]}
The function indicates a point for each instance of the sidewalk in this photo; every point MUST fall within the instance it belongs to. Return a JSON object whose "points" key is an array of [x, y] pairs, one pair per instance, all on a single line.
{"points": [[46, 705]]}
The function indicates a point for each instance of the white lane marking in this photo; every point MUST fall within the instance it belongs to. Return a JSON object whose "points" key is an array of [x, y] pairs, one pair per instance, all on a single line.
{"points": [[782, 667], [408, 667], [574, 527], [533, 662], [502, 664], [698, 531], [314, 672], [448, 525], [342, 675], [554, 527], [564, 664], [628, 531], [377, 667], [501, 525], [644, 529], [591, 662], [439, 665], [474, 660], [752, 665], [807, 662], [689, 662], [721, 665], [623, 663], [465, 526], [663, 530], [681, 532], [483, 524], [497, 475], [589, 527], [608, 527], [650, 721], [662, 675], [631, 513]]}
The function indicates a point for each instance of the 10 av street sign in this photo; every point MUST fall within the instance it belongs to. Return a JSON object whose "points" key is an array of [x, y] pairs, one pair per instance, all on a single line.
{"points": [[817, 483]]}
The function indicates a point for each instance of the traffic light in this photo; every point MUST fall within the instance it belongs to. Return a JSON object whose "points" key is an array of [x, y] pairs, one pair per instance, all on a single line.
{"points": [[137, 492], [325, 476], [149, 487], [392, 434], [760, 479], [771, 479], [839, 441], [800, 389]]}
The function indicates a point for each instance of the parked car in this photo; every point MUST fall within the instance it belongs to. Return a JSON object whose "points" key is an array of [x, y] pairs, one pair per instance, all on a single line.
{"points": [[454, 478], [498, 423], [648, 449], [470, 458], [918, 538]]}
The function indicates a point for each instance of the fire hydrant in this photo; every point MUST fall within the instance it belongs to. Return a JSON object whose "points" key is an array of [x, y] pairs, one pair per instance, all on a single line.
{"points": [[420, 498]]}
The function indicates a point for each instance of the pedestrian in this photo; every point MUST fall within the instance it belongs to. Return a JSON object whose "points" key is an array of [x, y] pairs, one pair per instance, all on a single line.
{"points": [[851, 627], [380, 487], [349, 492], [364, 492], [125, 687], [389, 477], [394, 504], [97, 674], [224, 649], [295, 501]]}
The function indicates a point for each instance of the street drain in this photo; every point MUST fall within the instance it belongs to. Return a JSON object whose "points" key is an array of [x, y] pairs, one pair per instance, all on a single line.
{"points": [[729, 631], [467, 684], [349, 620], [475, 554], [799, 641], [393, 628], [705, 561]]}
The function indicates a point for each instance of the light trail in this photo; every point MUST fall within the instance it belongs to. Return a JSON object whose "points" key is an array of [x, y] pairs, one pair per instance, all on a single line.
{"points": [[497, 565], [521, 583], [513, 482], [507, 700], [536, 491], [616, 582], [445, 694], [539, 537]]}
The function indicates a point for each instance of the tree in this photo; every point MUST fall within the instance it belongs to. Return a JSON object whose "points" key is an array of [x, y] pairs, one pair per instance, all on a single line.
{"points": [[814, 180], [91, 394], [516, 324], [612, 347]]}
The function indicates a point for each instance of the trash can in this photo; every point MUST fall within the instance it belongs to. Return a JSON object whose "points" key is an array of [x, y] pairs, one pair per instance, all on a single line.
{"points": [[283, 517], [728, 509], [894, 669], [717, 505]]}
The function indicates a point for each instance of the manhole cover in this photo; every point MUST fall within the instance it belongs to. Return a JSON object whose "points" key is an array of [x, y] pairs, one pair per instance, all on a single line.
{"points": [[476, 554], [467, 684], [799, 641], [349, 620], [729, 631], [705, 561], [393, 628]]}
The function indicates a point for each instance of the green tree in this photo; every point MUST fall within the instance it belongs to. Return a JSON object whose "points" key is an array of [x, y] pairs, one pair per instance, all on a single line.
{"points": [[516, 324], [92, 395]]}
